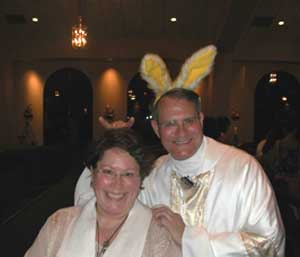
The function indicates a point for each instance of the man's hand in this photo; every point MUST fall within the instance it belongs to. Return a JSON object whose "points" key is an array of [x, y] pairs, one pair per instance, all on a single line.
{"points": [[116, 124], [172, 221]]}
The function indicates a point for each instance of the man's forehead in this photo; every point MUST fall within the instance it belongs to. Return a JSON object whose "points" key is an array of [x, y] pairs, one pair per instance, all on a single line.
{"points": [[173, 101], [173, 104], [177, 114]]}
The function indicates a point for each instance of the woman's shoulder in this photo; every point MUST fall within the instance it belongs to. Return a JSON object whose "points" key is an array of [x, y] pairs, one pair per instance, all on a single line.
{"points": [[64, 216], [52, 232]]}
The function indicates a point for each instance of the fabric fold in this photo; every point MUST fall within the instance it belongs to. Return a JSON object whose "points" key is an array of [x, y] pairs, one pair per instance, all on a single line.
{"points": [[80, 239]]}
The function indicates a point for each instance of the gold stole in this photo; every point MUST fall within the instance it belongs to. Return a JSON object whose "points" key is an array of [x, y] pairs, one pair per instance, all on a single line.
{"points": [[189, 200]]}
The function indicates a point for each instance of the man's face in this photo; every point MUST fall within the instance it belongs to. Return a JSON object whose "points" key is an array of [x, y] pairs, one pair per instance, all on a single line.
{"points": [[179, 127]]}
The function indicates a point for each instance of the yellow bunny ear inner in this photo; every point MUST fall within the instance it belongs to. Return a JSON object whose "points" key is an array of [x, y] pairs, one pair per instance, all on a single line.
{"points": [[154, 71], [196, 68]]}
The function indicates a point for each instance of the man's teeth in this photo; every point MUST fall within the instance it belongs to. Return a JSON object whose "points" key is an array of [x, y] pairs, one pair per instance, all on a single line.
{"points": [[182, 141], [115, 196]]}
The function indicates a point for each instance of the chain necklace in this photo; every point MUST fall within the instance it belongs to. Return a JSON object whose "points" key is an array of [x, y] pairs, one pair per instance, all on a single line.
{"points": [[107, 242]]}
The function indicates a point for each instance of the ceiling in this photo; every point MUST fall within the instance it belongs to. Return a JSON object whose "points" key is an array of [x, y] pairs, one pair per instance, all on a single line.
{"points": [[233, 25]]}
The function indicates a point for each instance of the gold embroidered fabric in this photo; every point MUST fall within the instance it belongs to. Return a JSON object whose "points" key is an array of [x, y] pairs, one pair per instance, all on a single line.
{"points": [[189, 200], [257, 245]]}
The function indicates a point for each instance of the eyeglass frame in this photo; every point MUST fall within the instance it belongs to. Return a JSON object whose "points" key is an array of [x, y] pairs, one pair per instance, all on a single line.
{"points": [[172, 124], [111, 174]]}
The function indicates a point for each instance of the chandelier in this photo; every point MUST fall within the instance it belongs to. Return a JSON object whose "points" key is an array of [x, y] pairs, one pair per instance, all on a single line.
{"points": [[79, 34]]}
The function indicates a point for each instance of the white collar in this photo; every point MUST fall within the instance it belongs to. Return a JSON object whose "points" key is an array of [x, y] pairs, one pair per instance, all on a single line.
{"points": [[203, 160]]}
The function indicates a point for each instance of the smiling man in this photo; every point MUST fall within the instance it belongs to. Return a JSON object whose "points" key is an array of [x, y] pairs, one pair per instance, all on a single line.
{"points": [[178, 123], [215, 200]]}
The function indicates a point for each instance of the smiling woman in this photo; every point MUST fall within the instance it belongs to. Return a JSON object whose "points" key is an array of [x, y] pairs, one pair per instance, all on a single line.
{"points": [[113, 222], [116, 182]]}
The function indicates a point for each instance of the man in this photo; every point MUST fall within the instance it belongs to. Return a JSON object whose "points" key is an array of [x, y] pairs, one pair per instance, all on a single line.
{"points": [[229, 207], [214, 199]]}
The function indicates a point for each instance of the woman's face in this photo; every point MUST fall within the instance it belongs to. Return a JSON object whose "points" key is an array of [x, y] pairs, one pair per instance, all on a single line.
{"points": [[116, 182]]}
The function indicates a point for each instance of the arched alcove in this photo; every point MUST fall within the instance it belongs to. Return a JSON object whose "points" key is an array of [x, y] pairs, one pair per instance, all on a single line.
{"points": [[139, 99], [276, 96], [68, 112]]}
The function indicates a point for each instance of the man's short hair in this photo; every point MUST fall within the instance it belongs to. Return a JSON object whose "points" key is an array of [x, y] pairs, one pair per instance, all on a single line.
{"points": [[178, 93]]}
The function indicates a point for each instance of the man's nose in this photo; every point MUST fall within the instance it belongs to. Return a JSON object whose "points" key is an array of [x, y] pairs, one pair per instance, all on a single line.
{"points": [[180, 128]]}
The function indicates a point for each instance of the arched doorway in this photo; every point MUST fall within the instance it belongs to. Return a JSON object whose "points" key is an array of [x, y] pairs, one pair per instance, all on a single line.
{"points": [[139, 99], [68, 108], [276, 98]]}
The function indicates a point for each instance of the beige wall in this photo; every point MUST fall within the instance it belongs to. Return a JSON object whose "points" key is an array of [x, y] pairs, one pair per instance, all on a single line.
{"points": [[109, 81], [245, 78], [231, 86], [7, 107]]}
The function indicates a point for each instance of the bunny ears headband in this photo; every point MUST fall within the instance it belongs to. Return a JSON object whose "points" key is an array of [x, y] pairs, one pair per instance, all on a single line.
{"points": [[155, 73]]}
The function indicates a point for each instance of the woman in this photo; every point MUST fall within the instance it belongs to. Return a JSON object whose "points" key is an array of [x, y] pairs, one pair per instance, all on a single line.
{"points": [[114, 223]]}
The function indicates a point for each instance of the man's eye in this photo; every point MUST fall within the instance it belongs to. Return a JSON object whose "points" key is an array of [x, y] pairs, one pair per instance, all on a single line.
{"points": [[128, 174], [189, 121], [169, 124], [107, 172]]}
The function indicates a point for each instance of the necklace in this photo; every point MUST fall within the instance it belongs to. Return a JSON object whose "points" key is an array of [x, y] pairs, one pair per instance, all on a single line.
{"points": [[107, 242]]}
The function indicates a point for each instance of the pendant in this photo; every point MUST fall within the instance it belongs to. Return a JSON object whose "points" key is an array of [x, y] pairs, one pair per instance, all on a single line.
{"points": [[105, 246]]}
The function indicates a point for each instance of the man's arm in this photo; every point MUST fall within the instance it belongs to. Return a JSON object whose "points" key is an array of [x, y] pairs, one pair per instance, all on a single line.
{"points": [[257, 229], [83, 189], [116, 124], [254, 227], [263, 238]]}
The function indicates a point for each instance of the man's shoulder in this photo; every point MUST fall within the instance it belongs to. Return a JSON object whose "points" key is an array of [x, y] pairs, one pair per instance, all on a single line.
{"points": [[158, 172], [222, 152], [160, 165], [233, 159], [161, 160], [232, 151]]}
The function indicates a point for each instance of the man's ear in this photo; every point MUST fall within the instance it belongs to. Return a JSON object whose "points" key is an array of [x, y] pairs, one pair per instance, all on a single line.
{"points": [[154, 125], [92, 182], [92, 176], [201, 118]]}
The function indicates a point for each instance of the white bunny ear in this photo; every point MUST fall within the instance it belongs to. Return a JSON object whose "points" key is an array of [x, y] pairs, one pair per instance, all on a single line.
{"points": [[154, 71], [196, 68]]}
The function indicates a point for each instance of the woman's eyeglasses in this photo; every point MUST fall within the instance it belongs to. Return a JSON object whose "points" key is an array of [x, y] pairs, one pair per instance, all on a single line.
{"points": [[111, 174]]}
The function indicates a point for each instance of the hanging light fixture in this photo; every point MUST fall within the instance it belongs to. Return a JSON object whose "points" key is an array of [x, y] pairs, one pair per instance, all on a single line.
{"points": [[79, 32]]}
